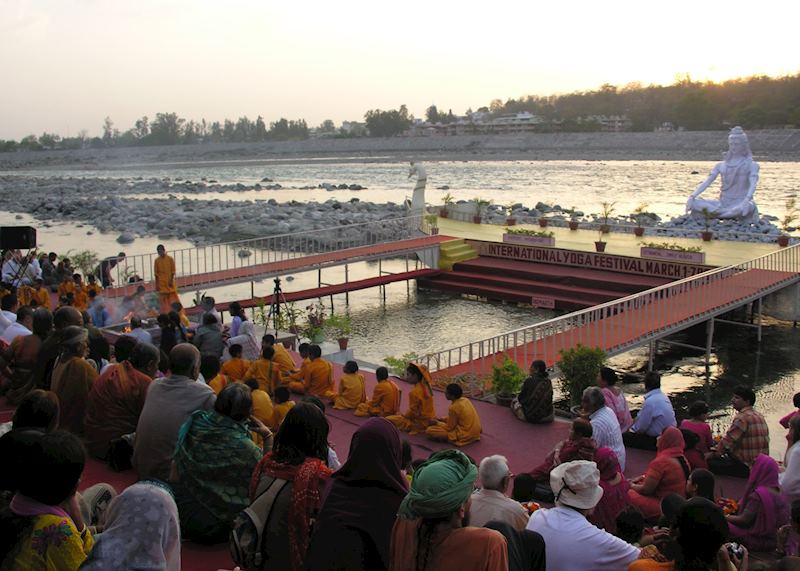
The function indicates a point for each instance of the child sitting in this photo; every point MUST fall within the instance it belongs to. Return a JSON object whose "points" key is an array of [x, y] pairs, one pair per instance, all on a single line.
{"points": [[352, 390], [698, 413], [695, 458], [235, 367], [283, 404]]}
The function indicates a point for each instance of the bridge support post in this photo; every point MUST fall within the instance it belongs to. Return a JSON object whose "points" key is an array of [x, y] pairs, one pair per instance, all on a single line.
{"points": [[709, 340], [346, 280], [652, 355], [760, 299]]}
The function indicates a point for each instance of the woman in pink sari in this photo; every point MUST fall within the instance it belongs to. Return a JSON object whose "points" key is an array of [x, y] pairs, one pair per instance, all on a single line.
{"points": [[615, 398], [762, 510], [615, 491]]}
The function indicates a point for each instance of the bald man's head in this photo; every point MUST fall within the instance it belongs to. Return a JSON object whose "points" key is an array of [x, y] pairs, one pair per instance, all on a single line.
{"points": [[67, 316], [184, 360]]}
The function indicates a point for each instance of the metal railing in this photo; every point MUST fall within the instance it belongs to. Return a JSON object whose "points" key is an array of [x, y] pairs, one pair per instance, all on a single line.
{"points": [[256, 251], [642, 316]]}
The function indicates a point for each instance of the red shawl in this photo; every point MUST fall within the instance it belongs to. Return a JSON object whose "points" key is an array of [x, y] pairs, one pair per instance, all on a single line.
{"points": [[307, 479]]}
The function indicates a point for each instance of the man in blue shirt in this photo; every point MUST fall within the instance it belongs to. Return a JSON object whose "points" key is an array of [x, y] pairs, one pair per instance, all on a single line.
{"points": [[656, 415]]}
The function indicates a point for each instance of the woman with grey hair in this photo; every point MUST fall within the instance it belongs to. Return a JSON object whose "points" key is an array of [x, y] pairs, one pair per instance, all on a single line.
{"points": [[73, 377], [605, 425], [214, 460]]}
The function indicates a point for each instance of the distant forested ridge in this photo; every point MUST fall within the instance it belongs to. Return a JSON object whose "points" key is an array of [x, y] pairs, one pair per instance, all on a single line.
{"points": [[754, 103]]}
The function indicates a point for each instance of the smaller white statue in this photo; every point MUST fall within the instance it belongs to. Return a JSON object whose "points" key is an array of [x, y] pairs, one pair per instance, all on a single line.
{"points": [[418, 198], [739, 174]]}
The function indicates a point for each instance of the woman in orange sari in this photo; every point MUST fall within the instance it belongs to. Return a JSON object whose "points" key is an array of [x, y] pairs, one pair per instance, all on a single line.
{"points": [[666, 474], [73, 377]]}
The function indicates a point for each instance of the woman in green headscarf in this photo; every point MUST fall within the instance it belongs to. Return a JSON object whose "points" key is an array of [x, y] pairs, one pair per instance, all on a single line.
{"points": [[431, 529]]}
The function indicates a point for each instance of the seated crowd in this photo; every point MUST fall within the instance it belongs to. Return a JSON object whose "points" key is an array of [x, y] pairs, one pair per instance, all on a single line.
{"points": [[224, 454]]}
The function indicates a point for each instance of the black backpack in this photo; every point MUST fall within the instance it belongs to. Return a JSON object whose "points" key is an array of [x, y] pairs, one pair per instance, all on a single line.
{"points": [[247, 536]]}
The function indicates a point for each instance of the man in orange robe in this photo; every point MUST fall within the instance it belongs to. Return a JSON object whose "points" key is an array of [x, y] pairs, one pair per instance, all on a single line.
{"points": [[420, 414], [317, 376], [462, 426], [385, 399], [282, 356], [164, 271]]}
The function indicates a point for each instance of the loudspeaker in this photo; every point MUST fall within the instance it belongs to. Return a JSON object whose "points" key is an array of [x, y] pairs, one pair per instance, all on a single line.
{"points": [[17, 237]]}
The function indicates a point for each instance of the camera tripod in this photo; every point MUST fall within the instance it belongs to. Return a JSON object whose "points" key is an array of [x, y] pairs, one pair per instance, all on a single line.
{"points": [[278, 300]]}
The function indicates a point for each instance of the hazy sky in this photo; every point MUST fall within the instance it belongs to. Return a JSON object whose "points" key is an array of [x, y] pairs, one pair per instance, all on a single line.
{"points": [[66, 64]]}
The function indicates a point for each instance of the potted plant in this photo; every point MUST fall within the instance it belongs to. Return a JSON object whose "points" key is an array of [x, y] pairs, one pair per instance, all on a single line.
{"points": [[579, 368], [529, 237], [339, 327], [573, 219], [447, 200], [315, 316], [432, 219], [510, 220], [789, 217], [637, 214], [480, 207], [608, 210], [600, 244], [543, 221], [507, 379]]}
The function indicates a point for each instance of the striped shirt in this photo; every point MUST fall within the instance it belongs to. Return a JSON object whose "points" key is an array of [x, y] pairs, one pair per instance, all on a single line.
{"points": [[606, 432], [747, 437]]}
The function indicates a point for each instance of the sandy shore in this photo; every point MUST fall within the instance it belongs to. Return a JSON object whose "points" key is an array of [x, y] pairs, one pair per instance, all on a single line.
{"points": [[768, 145]]}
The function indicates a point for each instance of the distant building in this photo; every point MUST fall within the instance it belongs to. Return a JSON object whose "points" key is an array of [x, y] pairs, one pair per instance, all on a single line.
{"points": [[354, 129]]}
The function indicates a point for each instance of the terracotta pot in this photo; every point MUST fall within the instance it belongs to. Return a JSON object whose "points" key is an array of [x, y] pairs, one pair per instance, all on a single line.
{"points": [[605, 228], [504, 400], [434, 230], [573, 224], [343, 343], [638, 231], [783, 240], [477, 219], [707, 236], [600, 246], [511, 221], [444, 213], [543, 222]]}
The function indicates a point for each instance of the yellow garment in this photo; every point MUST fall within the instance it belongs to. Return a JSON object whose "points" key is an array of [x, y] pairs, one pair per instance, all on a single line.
{"points": [[267, 373], [41, 295], [184, 318], [420, 411], [52, 543], [462, 427], [67, 286], [282, 357], [385, 401], [317, 380], [352, 391], [81, 300], [164, 271], [299, 374], [263, 409], [219, 382], [281, 410], [236, 368]]}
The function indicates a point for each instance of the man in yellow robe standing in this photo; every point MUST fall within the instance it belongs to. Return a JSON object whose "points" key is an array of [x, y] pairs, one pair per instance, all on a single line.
{"points": [[164, 271], [462, 426]]}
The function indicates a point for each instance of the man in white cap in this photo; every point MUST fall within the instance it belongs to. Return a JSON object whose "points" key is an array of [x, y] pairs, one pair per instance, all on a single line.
{"points": [[571, 542]]}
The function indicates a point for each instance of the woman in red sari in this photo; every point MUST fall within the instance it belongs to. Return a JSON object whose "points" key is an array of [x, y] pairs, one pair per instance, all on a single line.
{"points": [[666, 474], [615, 491], [297, 465]]}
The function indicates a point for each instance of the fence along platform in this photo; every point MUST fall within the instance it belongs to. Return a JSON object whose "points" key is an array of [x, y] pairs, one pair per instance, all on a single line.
{"points": [[222, 264], [623, 324]]}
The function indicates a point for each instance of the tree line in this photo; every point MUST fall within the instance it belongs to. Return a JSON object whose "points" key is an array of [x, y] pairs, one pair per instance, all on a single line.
{"points": [[754, 103]]}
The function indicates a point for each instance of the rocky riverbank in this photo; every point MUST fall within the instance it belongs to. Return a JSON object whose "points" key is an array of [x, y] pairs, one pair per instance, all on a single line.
{"points": [[767, 145], [107, 205]]}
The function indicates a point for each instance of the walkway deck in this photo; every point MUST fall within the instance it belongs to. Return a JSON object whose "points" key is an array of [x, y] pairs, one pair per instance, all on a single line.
{"points": [[298, 264]]}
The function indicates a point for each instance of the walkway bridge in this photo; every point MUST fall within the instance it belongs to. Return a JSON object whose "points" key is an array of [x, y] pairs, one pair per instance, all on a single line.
{"points": [[632, 321], [252, 260]]}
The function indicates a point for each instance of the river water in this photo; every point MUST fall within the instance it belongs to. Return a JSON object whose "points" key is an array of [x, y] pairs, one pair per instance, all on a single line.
{"points": [[411, 321]]}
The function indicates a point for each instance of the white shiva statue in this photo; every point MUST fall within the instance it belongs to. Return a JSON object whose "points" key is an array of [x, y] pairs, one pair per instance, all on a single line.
{"points": [[739, 174], [418, 198]]}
